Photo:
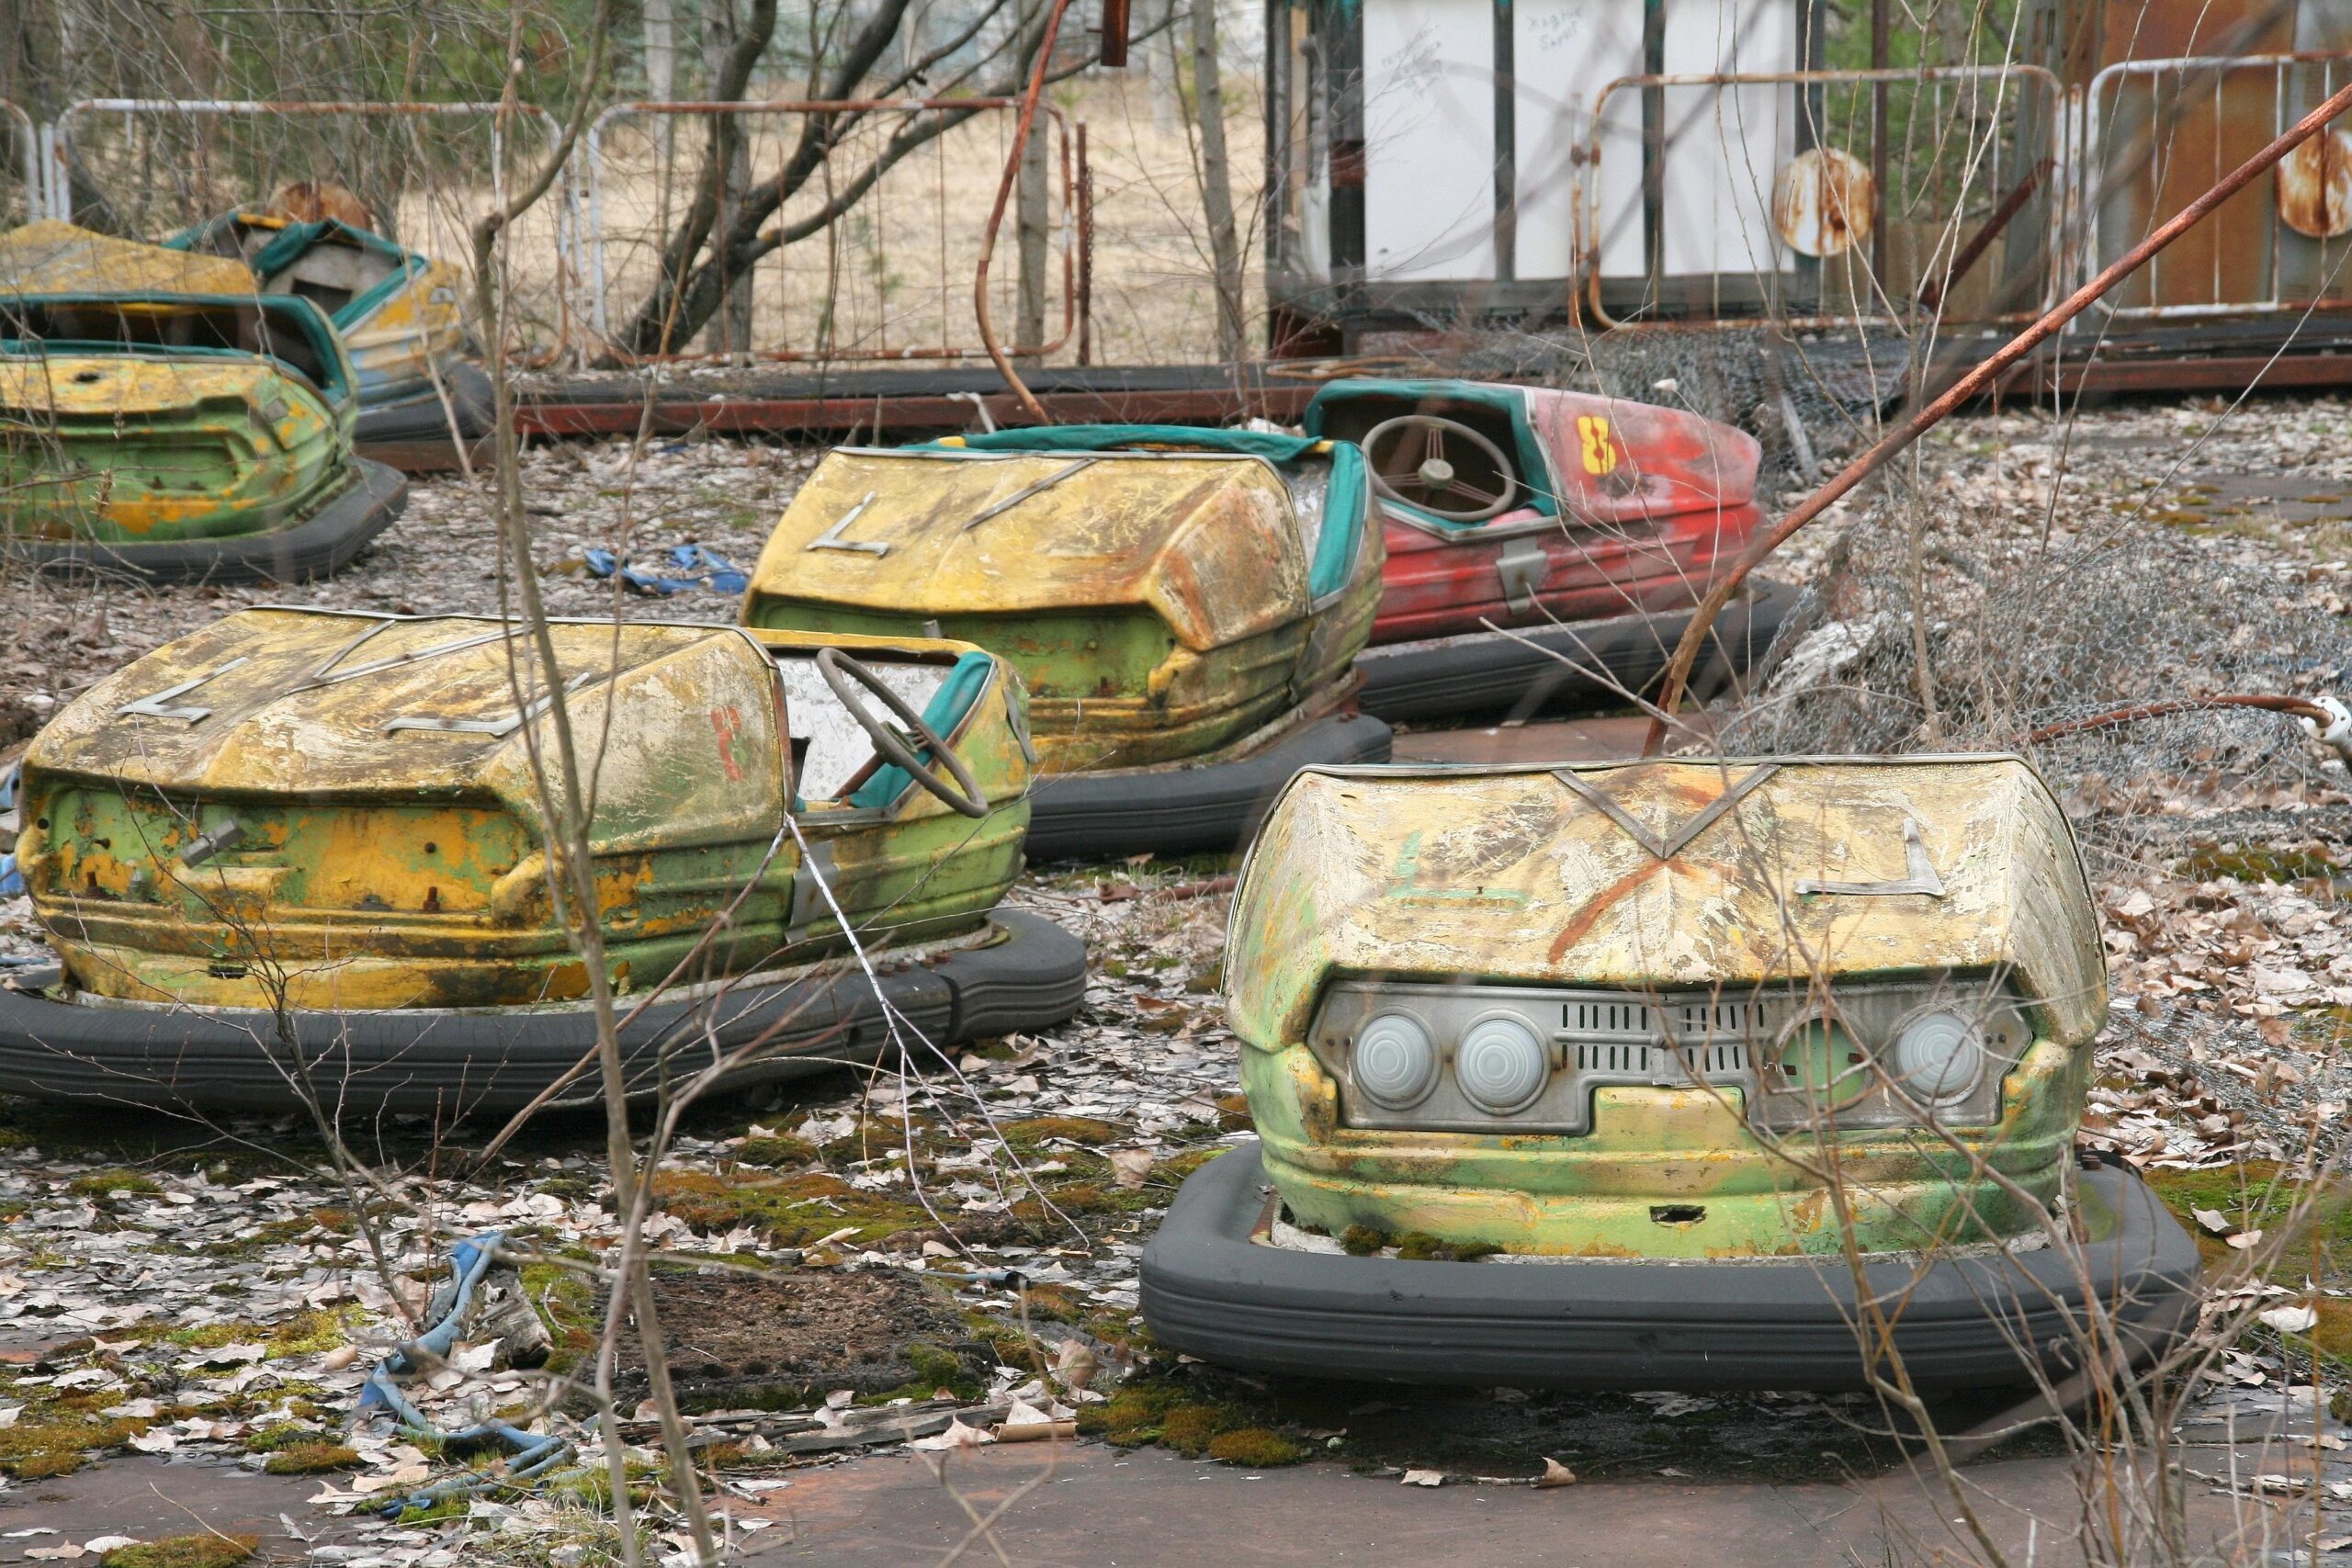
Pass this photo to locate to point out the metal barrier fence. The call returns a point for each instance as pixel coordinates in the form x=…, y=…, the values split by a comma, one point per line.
x=1839, y=196
x=161, y=164
x=892, y=281
x=2157, y=132
x=1829, y=196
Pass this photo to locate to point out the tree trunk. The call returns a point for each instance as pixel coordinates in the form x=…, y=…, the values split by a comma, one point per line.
x=731, y=329
x=661, y=50
x=1030, y=223
x=1216, y=180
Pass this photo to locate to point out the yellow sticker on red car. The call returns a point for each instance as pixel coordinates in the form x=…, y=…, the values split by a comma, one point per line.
x=1599, y=450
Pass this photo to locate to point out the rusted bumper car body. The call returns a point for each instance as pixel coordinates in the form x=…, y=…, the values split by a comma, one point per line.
x=1582, y=525
x=310, y=846
x=1183, y=605
x=1679, y=1047
x=401, y=315
x=158, y=418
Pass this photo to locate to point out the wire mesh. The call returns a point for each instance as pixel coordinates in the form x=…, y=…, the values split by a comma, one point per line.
x=2020, y=636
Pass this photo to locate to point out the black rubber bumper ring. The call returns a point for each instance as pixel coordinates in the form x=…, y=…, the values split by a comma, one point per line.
x=1485, y=672
x=454, y=1063
x=1972, y=1321
x=315, y=547
x=1180, y=809
x=424, y=418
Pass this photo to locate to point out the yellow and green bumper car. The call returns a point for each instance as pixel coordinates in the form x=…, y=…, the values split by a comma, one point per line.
x=1659, y=1074
x=401, y=314
x=306, y=849
x=161, y=419
x=1185, y=606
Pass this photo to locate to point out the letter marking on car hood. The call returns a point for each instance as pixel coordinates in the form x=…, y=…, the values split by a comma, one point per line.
x=1667, y=848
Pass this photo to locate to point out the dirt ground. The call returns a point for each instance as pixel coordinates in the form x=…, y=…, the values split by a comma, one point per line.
x=197, y=1301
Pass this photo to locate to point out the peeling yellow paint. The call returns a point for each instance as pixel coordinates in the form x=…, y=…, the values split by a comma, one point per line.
x=1512, y=877
x=388, y=846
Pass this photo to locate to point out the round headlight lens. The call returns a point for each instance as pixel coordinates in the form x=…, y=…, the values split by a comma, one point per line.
x=1394, y=1061
x=1938, y=1055
x=1501, y=1064
x=1823, y=1061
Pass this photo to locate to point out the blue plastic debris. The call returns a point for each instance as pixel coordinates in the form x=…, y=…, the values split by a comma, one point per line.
x=12, y=880
x=687, y=569
x=530, y=1458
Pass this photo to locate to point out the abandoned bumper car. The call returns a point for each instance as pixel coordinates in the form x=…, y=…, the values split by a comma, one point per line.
x=161, y=418
x=1183, y=605
x=1544, y=548
x=401, y=315
x=1714, y=1007
x=302, y=851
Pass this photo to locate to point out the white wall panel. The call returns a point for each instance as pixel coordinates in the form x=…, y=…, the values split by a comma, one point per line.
x=1429, y=116
x=1564, y=53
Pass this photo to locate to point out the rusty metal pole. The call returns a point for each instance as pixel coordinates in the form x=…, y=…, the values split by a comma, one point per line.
x=1028, y=400
x=1703, y=620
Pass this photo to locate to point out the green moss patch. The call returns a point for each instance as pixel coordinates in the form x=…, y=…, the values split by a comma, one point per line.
x=2212, y=862
x=306, y=1459
x=206, y=1550
x=776, y=1151
x=1257, y=1447
x=1039, y=1130
x=114, y=1183
x=58, y=1440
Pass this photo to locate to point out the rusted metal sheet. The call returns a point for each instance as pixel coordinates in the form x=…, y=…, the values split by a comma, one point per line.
x=341, y=809
x=1158, y=606
x=1805, y=880
x=1824, y=202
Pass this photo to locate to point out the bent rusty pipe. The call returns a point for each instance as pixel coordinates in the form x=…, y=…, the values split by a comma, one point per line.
x=1029, y=402
x=2301, y=707
x=1703, y=620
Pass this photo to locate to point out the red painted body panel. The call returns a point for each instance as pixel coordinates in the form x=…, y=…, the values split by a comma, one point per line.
x=1649, y=498
x=1434, y=587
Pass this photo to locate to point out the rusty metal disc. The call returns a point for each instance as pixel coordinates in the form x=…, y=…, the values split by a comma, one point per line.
x=2315, y=186
x=1824, y=202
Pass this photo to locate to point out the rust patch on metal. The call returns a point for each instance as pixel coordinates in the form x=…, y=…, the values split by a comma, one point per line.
x=2315, y=186
x=1824, y=202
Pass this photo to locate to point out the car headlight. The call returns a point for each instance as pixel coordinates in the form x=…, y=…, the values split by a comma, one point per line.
x=1534, y=1060
x=1395, y=1062
x=1938, y=1055
x=1501, y=1064
x=1820, y=1059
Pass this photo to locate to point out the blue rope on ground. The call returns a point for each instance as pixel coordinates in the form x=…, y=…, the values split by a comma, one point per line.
x=530, y=1458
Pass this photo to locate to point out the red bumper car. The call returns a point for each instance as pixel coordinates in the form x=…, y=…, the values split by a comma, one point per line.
x=1526, y=526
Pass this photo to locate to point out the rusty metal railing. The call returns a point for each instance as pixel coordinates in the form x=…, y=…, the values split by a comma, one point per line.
x=1824, y=202
x=1073, y=219
x=2129, y=162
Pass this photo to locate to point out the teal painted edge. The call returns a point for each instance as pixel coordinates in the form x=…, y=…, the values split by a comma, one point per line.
x=297, y=238
x=1533, y=458
x=945, y=713
x=305, y=315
